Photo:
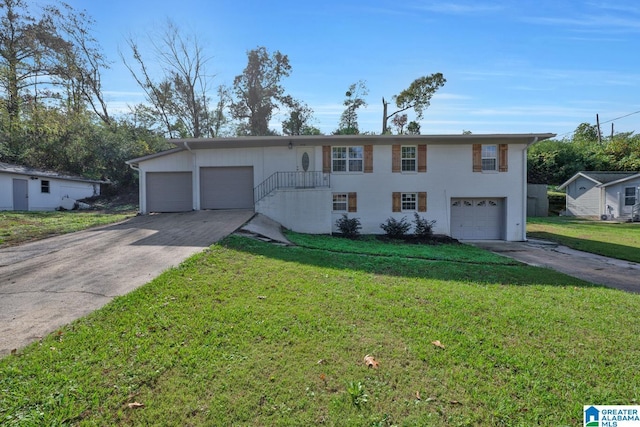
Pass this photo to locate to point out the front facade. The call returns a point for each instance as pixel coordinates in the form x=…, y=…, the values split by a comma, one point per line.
x=28, y=189
x=473, y=186
x=606, y=195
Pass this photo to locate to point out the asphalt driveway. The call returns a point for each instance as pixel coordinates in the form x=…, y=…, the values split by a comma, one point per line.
x=601, y=270
x=51, y=282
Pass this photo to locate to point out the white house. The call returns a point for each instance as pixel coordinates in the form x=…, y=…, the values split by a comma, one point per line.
x=27, y=189
x=607, y=195
x=473, y=186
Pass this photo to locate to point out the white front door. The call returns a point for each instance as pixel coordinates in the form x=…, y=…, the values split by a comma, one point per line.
x=305, y=159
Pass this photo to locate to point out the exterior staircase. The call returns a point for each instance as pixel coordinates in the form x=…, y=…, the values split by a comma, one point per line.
x=295, y=179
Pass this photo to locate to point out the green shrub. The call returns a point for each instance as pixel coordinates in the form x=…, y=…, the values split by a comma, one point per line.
x=349, y=227
x=423, y=228
x=396, y=229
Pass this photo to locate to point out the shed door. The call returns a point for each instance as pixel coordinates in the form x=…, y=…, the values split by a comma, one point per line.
x=20, y=195
x=169, y=192
x=477, y=219
x=226, y=187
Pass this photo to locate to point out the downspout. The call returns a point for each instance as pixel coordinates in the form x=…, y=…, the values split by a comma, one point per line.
x=195, y=178
x=524, y=188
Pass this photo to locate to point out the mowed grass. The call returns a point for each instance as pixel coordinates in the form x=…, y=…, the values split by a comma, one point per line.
x=20, y=227
x=253, y=334
x=616, y=240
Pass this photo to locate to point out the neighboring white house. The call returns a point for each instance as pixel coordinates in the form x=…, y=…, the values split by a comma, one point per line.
x=28, y=189
x=606, y=195
x=473, y=186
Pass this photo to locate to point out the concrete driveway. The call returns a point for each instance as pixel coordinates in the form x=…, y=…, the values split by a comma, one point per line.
x=614, y=273
x=51, y=282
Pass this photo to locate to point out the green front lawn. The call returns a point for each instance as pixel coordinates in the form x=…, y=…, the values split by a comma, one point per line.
x=615, y=240
x=253, y=334
x=20, y=227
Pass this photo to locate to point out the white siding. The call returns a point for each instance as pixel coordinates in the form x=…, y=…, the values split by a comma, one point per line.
x=303, y=211
x=583, y=198
x=39, y=201
x=449, y=175
x=614, y=197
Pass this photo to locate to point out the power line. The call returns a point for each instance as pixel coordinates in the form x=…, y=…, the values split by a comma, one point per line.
x=608, y=121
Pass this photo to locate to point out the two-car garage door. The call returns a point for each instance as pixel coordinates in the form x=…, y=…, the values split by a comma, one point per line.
x=220, y=188
x=477, y=218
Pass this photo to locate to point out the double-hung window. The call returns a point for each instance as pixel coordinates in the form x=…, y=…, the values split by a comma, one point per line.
x=347, y=159
x=409, y=158
x=45, y=186
x=340, y=202
x=629, y=196
x=345, y=202
x=409, y=201
x=489, y=157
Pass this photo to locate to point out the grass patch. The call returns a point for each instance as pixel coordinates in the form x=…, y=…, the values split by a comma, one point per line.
x=20, y=227
x=616, y=240
x=371, y=245
x=249, y=333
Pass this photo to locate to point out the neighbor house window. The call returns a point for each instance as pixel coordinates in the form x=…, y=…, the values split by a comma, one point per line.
x=44, y=186
x=409, y=201
x=629, y=196
x=347, y=159
x=345, y=202
x=489, y=157
x=408, y=158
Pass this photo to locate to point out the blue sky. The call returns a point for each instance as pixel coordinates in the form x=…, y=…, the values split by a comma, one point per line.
x=512, y=66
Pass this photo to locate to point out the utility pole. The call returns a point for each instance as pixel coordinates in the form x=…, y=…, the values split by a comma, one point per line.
x=611, y=130
x=599, y=133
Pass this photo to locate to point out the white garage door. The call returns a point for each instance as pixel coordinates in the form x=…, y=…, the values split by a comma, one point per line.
x=226, y=187
x=169, y=192
x=477, y=219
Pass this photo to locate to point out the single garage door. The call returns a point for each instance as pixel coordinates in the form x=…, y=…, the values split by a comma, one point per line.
x=226, y=187
x=169, y=192
x=477, y=219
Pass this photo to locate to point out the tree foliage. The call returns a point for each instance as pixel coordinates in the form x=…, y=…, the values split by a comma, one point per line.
x=555, y=161
x=353, y=101
x=258, y=91
x=299, y=120
x=417, y=97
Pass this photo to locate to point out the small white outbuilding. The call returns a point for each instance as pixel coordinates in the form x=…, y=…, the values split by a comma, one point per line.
x=28, y=189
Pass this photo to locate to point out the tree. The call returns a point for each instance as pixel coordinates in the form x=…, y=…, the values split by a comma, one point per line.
x=400, y=121
x=298, y=122
x=258, y=91
x=354, y=100
x=417, y=96
x=180, y=98
x=48, y=61
x=413, y=128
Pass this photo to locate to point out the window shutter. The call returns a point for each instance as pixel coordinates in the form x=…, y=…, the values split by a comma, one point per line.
x=326, y=159
x=503, y=157
x=477, y=157
x=353, y=202
x=422, y=158
x=368, y=158
x=395, y=158
x=396, y=205
x=422, y=201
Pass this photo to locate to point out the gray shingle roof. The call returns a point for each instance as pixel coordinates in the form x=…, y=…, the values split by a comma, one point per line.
x=605, y=177
x=25, y=170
